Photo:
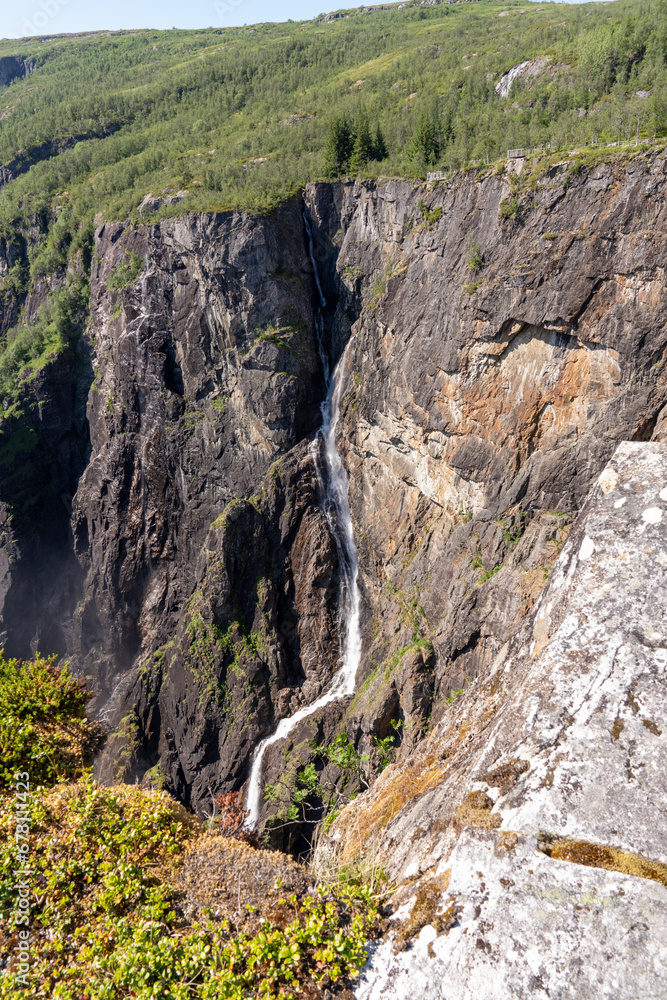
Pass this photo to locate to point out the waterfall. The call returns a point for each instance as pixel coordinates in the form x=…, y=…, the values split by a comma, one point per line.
x=337, y=509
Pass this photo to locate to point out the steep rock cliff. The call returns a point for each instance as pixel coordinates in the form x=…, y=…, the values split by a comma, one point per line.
x=497, y=360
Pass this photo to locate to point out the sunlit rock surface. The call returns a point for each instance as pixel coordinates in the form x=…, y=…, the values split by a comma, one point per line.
x=187, y=568
x=540, y=845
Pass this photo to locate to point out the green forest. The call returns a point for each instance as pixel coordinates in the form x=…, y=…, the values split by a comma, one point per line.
x=243, y=117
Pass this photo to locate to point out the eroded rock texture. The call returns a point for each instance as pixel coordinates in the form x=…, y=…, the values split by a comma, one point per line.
x=195, y=580
x=482, y=402
x=538, y=841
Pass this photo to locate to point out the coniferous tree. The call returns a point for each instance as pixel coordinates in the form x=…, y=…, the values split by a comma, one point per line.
x=425, y=146
x=338, y=146
x=362, y=151
x=380, y=151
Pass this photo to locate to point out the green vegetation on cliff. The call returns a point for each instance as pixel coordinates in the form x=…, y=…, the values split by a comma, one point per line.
x=32, y=343
x=109, y=914
x=243, y=116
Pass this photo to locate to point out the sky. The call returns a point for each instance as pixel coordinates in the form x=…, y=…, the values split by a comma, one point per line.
x=34, y=17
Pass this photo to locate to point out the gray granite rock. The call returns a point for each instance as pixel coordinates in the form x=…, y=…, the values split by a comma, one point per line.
x=544, y=836
x=530, y=928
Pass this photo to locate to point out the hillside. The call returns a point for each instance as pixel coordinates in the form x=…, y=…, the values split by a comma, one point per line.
x=341, y=489
x=240, y=117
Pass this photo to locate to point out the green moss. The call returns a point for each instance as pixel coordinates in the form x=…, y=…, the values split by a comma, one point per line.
x=412, y=614
x=422, y=644
x=276, y=336
x=126, y=743
x=383, y=672
x=155, y=778
x=233, y=505
x=218, y=404
x=241, y=644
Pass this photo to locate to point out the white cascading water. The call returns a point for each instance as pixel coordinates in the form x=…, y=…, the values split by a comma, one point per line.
x=337, y=510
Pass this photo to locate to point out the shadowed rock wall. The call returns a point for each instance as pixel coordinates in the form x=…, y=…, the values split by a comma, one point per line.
x=481, y=402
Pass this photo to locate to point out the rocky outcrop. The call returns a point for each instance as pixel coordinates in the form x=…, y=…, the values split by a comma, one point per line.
x=508, y=333
x=14, y=68
x=526, y=834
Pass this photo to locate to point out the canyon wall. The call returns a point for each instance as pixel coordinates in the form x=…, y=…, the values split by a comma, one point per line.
x=508, y=331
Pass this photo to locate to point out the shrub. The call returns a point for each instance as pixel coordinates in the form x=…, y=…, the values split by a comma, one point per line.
x=126, y=271
x=474, y=257
x=109, y=921
x=508, y=207
x=42, y=727
x=230, y=817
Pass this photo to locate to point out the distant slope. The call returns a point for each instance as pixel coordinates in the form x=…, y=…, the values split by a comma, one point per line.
x=242, y=115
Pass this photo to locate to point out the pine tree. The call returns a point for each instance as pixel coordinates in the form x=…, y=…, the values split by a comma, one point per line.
x=338, y=146
x=362, y=150
x=425, y=147
x=380, y=151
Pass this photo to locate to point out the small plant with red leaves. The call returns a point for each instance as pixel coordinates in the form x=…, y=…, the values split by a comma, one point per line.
x=229, y=819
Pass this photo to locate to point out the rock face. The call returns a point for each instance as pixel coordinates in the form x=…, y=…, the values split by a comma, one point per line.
x=210, y=562
x=13, y=68
x=539, y=843
x=508, y=333
x=524, y=926
x=481, y=411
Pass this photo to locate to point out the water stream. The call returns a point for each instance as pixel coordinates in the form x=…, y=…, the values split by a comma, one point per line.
x=337, y=509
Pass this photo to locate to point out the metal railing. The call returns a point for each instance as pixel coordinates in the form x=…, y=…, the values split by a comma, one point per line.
x=514, y=154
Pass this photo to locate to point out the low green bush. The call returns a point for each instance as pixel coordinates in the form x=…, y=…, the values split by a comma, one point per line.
x=107, y=916
x=474, y=256
x=126, y=271
x=106, y=863
x=508, y=208
x=42, y=727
